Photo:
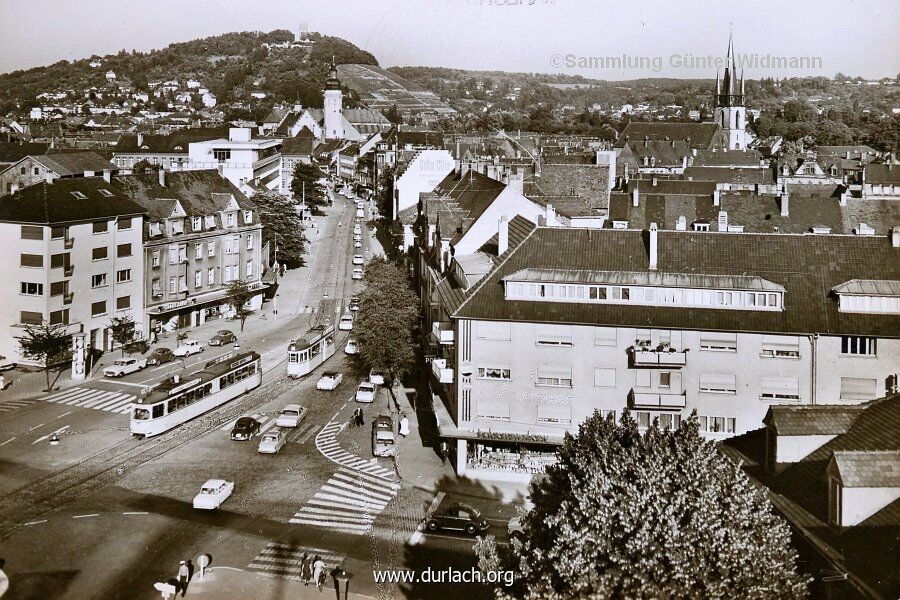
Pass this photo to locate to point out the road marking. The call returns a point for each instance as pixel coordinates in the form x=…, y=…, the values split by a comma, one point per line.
x=35, y=427
x=267, y=426
x=163, y=366
x=418, y=535
x=85, y=516
x=44, y=437
x=135, y=513
x=119, y=382
x=68, y=412
x=7, y=441
x=35, y=522
x=308, y=434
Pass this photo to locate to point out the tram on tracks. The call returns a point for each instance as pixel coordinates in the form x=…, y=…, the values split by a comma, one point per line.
x=179, y=398
x=316, y=345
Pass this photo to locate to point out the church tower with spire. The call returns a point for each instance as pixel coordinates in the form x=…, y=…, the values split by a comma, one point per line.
x=730, y=111
x=334, y=120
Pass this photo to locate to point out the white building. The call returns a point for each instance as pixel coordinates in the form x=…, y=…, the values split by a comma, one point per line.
x=242, y=159
x=334, y=122
x=422, y=173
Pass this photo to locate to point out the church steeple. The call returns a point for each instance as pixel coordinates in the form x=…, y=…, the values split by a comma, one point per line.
x=730, y=113
x=730, y=91
x=333, y=83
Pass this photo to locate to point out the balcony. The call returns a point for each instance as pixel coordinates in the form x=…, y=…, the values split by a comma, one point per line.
x=68, y=243
x=68, y=270
x=658, y=400
x=68, y=297
x=440, y=370
x=658, y=357
x=442, y=333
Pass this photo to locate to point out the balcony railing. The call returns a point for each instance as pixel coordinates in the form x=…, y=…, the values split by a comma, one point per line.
x=440, y=370
x=68, y=297
x=442, y=333
x=68, y=270
x=68, y=243
x=653, y=357
x=658, y=400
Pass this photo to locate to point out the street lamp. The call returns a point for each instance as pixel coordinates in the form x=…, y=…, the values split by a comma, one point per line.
x=342, y=580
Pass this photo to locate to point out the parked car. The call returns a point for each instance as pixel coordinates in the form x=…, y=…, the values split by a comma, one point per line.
x=376, y=377
x=291, y=415
x=459, y=517
x=357, y=229
x=213, y=493
x=365, y=392
x=6, y=365
x=358, y=259
x=346, y=322
x=188, y=347
x=352, y=347
x=124, y=366
x=357, y=244
x=245, y=428
x=272, y=441
x=357, y=237
x=383, y=441
x=353, y=304
x=329, y=380
x=160, y=356
x=357, y=273
x=222, y=337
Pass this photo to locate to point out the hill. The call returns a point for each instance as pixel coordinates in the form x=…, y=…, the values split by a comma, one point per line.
x=382, y=90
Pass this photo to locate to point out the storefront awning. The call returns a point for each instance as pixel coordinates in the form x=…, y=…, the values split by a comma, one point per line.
x=448, y=429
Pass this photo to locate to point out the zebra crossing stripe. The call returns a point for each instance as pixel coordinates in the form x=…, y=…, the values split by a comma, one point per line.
x=115, y=403
x=375, y=480
x=306, y=510
x=331, y=525
x=77, y=397
x=285, y=559
x=106, y=401
x=344, y=489
x=358, y=479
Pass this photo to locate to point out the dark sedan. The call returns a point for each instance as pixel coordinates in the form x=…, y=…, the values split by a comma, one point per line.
x=223, y=337
x=458, y=517
x=245, y=428
x=160, y=356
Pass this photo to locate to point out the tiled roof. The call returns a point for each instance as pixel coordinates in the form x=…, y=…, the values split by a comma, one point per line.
x=731, y=174
x=11, y=152
x=450, y=294
x=812, y=420
x=284, y=127
x=665, y=154
x=880, y=214
x=408, y=215
x=648, y=278
x=359, y=116
x=884, y=174
x=701, y=135
x=49, y=203
x=589, y=182
x=807, y=266
x=519, y=228
x=302, y=146
x=671, y=186
x=473, y=191
x=200, y=193
x=869, y=287
x=868, y=469
x=726, y=158
x=571, y=206
x=75, y=163
x=174, y=143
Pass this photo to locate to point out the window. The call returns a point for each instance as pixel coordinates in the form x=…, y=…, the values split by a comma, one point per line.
x=493, y=330
x=554, y=413
x=59, y=317
x=155, y=258
x=123, y=250
x=101, y=253
x=717, y=424
x=643, y=337
x=31, y=260
x=198, y=279
x=58, y=233
x=669, y=422
x=717, y=383
x=597, y=293
x=98, y=308
x=211, y=248
x=210, y=221
x=492, y=409
x=604, y=377
x=177, y=226
x=104, y=192
x=643, y=378
x=123, y=302
x=665, y=379
x=124, y=223
x=550, y=335
x=604, y=336
x=500, y=373
x=551, y=376
x=30, y=318
x=196, y=223
x=229, y=219
x=101, y=226
x=699, y=226
x=198, y=250
x=30, y=232
x=173, y=285
x=79, y=195
x=858, y=388
x=98, y=280
x=222, y=155
x=156, y=288
x=642, y=418
x=59, y=288
x=780, y=388
x=607, y=414
x=248, y=217
x=210, y=276
x=123, y=276
x=718, y=342
x=32, y=289
x=182, y=283
x=781, y=346
x=858, y=346
x=248, y=270
x=155, y=229
x=249, y=241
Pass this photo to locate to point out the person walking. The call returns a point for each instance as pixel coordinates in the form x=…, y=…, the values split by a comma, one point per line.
x=404, y=425
x=305, y=569
x=445, y=450
x=359, y=417
x=184, y=575
x=318, y=571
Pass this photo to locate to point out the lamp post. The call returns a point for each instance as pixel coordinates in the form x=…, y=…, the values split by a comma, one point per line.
x=342, y=581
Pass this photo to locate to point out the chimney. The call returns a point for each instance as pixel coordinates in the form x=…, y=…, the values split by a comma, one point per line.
x=503, y=236
x=723, y=220
x=634, y=195
x=693, y=152
x=681, y=223
x=785, y=203
x=551, y=216
x=162, y=177
x=107, y=175
x=654, y=248
x=684, y=162
x=895, y=237
x=848, y=155
x=140, y=140
x=716, y=197
x=844, y=195
x=654, y=181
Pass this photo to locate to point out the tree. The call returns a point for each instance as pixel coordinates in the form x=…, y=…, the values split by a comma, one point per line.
x=145, y=166
x=388, y=312
x=658, y=515
x=122, y=331
x=306, y=186
x=385, y=197
x=48, y=344
x=393, y=115
x=238, y=296
x=282, y=226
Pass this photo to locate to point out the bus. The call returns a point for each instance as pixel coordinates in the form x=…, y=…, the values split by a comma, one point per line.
x=179, y=399
x=316, y=345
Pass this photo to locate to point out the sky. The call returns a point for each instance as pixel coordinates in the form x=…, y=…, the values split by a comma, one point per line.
x=599, y=39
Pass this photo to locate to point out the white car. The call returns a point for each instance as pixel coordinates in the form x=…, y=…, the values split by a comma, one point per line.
x=376, y=377
x=352, y=347
x=357, y=273
x=124, y=366
x=357, y=244
x=188, y=347
x=358, y=259
x=272, y=441
x=291, y=415
x=329, y=380
x=357, y=237
x=213, y=493
x=346, y=323
x=365, y=392
x=357, y=229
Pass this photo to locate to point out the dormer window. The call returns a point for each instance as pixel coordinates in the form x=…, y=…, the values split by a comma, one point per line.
x=196, y=223
x=701, y=226
x=248, y=217
x=177, y=226
x=79, y=195
x=879, y=296
x=210, y=222
x=155, y=229
x=620, y=224
x=229, y=219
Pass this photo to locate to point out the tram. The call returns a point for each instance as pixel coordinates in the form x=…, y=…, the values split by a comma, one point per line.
x=179, y=399
x=316, y=345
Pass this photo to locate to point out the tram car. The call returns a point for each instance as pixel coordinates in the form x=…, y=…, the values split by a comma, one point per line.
x=315, y=346
x=179, y=398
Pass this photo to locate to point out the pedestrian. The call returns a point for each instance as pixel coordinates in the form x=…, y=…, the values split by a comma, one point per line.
x=2, y=383
x=444, y=451
x=404, y=425
x=305, y=569
x=318, y=571
x=184, y=574
x=359, y=417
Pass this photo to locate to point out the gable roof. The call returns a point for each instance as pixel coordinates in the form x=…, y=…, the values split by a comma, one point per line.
x=75, y=163
x=50, y=203
x=11, y=152
x=473, y=191
x=867, y=469
x=200, y=193
x=726, y=158
x=173, y=143
x=811, y=420
x=701, y=135
x=746, y=175
x=884, y=174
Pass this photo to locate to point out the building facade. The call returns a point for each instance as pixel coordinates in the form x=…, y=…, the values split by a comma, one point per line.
x=241, y=159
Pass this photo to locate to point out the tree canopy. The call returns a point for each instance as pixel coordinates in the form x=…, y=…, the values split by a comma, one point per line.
x=47, y=343
x=656, y=515
x=281, y=225
x=306, y=186
x=239, y=294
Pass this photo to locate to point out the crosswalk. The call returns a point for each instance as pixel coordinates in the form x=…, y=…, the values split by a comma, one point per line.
x=349, y=502
x=114, y=402
x=283, y=560
x=8, y=405
x=327, y=444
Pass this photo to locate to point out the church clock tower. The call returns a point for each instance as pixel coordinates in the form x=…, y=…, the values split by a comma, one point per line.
x=334, y=121
x=730, y=111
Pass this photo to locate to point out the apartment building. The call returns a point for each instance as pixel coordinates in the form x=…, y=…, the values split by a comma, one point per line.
x=38, y=168
x=72, y=256
x=169, y=151
x=661, y=323
x=201, y=234
x=240, y=158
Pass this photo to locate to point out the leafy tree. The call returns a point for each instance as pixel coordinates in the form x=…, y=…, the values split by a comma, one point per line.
x=393, y=115
x=388, y=312
x=282, y=226
x=122, y=331
x=385, y=197
x=47, y=343
x=145, y=166
x=658, y=515
x=239, y=294
x=306, y=186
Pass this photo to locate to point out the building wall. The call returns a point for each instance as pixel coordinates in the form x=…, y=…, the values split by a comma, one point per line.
x=24, y=173
x=509, y=204
x=423, y=174
x=832, y=365
x=794, y=448
x=288, y=162
x=167, y=161
x=858, y=504
x=334, y=124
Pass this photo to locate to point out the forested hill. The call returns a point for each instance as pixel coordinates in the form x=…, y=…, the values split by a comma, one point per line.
x=230, y=65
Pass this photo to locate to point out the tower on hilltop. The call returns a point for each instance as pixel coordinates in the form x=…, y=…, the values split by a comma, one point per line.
x=334, y=121
x=730, y=111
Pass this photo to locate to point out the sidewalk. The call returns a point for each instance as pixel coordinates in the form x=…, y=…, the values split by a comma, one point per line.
x=418, y=461
x=228, y=583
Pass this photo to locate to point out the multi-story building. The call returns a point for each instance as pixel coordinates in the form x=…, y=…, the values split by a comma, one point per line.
x=296, y=150
x=240, y=158
x=201, y=234
x=661, y=323
x=48, y=167
x=73, y=257
x=169, y=151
